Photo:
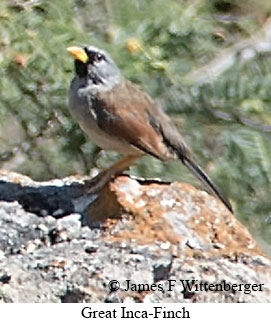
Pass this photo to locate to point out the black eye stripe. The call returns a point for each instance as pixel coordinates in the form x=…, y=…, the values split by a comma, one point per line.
x=94, y=56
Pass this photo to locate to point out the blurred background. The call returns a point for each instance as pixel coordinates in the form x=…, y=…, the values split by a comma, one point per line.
x=207, y=62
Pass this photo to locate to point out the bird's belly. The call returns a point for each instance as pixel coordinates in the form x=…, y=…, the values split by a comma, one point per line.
x=107, y=142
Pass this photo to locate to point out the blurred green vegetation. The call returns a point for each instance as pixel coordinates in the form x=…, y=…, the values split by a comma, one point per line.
x=169, y=48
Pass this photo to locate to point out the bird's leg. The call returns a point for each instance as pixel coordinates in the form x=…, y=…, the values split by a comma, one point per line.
x=99, y=181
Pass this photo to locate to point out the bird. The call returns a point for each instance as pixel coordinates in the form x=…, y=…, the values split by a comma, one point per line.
x=119, y=115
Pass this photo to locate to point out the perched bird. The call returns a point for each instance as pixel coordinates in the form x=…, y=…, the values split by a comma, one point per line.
x=118, y=115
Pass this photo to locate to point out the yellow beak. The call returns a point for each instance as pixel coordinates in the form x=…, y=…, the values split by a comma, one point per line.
x=78, y=53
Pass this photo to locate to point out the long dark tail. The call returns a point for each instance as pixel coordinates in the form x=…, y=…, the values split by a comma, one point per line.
x=204, y=178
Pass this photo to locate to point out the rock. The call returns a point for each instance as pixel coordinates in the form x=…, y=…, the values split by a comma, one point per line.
x=69, y=227
x=153, y=238
x=161, y=269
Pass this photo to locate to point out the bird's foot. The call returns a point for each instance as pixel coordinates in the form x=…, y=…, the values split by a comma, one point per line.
x=97, y=183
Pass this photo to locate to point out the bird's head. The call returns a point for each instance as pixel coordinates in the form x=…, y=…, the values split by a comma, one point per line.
x=96, y=65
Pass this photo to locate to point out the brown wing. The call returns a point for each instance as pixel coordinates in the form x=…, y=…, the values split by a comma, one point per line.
x=129, y=113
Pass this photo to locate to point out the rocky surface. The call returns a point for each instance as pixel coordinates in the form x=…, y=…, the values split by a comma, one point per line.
x=60, y=244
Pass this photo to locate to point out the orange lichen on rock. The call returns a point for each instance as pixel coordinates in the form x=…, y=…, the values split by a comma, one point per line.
x=177, y=213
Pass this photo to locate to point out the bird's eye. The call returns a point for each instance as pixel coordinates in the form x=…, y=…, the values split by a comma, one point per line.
x=99, y=57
